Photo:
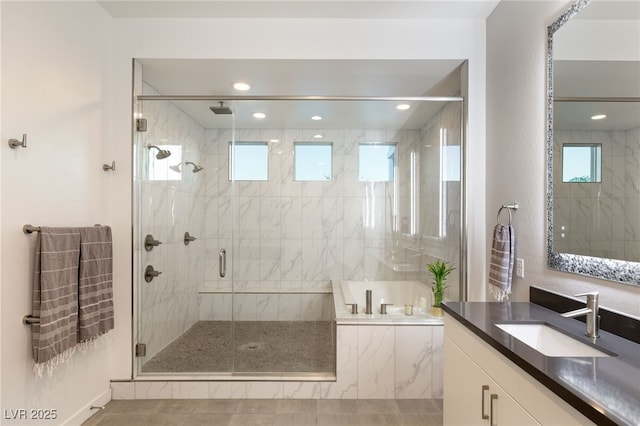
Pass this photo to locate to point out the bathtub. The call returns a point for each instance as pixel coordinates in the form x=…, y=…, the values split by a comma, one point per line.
x=386, y=356
x=396, y=293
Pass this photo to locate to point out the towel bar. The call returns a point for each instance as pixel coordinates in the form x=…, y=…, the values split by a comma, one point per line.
x=29, y=229
x=30, y=320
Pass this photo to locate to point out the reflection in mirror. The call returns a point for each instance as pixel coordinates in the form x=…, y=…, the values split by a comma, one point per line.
x=581, y=162
x=593, y=141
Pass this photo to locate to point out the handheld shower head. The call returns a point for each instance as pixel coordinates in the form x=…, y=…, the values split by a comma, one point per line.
x=196, y=167
x=162, y=153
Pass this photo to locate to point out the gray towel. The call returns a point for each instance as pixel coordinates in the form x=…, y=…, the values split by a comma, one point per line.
x=95, y=289
x=502, y=257
x=55, y=296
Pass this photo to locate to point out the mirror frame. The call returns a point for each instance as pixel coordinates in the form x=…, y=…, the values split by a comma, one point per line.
x=607, y=269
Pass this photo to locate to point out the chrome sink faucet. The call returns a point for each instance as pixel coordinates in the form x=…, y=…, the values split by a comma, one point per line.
x=368, y=309
x=591, y=312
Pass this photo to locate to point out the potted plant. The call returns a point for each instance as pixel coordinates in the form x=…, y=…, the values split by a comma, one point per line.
x=439, y=270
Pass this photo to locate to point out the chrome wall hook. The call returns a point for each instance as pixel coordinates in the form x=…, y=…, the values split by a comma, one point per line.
x=15, y=143
x=107, y=167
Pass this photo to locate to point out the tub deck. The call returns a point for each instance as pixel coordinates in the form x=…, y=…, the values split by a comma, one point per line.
x=399, y=293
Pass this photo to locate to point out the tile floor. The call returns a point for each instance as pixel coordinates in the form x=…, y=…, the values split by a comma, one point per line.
x=271, y=412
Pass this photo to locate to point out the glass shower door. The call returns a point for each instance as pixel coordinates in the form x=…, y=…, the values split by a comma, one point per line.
x=282, y=300
x=169, y=238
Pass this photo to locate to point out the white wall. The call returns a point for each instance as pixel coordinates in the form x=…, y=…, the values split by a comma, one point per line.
x=516, y=131
x=53, y=57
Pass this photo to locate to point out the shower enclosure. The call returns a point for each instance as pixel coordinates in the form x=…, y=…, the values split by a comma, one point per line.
x=240, y=230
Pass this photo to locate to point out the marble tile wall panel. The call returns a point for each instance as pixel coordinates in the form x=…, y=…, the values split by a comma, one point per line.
x=153, y=390
x=265, y=307
x=301, y=390
x=123, y=390
x=413, y=362
x=376, y=367
x=437, y=363
x=346, y=384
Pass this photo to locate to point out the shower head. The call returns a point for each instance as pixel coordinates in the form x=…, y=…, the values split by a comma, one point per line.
x=162, y=153
x=196, y=167
x=221, y=110
x=176, y=168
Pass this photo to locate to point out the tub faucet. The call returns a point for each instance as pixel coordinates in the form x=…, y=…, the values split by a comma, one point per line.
x=591, y=312
x=368, y=308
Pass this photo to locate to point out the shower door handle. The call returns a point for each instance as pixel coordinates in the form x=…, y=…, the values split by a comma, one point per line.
x=222, y=262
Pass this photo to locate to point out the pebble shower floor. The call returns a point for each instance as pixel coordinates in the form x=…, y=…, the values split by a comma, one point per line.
x=250, y=346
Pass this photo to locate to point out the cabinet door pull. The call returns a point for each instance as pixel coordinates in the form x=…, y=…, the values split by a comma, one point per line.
x=484, y=389
x=493, y=398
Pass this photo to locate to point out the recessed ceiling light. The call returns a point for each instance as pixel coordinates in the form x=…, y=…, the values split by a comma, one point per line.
x=318, y=136
x=242, y=86
x=403, y=107
x=598, y=116
x=274, y=140
x=316, y=118
x=259, y=115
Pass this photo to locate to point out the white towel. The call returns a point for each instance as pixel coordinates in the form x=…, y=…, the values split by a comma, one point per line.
x=502, y=258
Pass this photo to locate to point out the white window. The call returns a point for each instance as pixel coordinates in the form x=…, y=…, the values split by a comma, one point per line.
x=312, y=161
x=377, y=162
x=249, y=161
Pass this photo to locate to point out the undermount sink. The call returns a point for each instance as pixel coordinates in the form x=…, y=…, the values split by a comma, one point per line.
x=549, y=341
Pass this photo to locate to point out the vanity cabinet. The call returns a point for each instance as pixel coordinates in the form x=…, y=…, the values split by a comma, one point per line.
x=482, y=387
x=472, y=398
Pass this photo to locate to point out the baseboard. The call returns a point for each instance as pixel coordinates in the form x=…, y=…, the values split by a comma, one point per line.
x=85, y=412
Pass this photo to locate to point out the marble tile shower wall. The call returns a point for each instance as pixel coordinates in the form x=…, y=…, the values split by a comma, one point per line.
x=292, y=238
x=600, y=219
x=170, y=204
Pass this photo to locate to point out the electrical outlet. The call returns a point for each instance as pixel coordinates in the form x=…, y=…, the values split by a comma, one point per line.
x=520, y=268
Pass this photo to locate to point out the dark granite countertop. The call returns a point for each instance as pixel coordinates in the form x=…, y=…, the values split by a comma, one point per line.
x=604, y=389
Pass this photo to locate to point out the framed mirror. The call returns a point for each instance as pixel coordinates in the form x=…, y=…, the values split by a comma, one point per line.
x=593, y=141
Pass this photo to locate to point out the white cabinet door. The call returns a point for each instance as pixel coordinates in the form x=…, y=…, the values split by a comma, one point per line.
x=471, y=397
x=463, y=383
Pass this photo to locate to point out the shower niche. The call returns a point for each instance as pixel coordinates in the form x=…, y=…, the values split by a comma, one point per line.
x=279, y=207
